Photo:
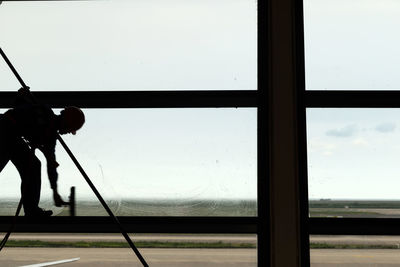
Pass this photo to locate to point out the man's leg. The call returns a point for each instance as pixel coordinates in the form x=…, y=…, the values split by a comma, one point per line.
x=29, y=168
x=4, y=157
x=4, y=142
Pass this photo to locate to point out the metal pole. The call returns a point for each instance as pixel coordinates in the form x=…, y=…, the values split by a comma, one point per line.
x=13, y=69
x=122, y=230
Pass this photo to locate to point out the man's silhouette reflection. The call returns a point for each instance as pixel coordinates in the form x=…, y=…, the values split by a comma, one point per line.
x=25, y=128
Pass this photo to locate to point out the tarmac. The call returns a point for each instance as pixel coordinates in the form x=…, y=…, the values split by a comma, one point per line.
x=117, y=257
x=355, y=257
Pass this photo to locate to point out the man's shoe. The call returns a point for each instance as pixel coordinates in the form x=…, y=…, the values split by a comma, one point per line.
x=39, y=213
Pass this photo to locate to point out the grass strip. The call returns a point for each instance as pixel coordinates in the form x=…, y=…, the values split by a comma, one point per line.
x=351, y=246
x=139, y=244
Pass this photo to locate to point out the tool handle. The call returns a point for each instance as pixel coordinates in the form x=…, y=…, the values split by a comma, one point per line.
x=13, y=69
x=100, y=198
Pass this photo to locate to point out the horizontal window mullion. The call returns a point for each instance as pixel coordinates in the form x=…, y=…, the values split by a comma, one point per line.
x=352, y=99
x=140, y=224
x=354, y=226
x=141, y=99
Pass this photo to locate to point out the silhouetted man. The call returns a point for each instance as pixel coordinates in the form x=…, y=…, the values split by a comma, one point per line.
x=25, y=128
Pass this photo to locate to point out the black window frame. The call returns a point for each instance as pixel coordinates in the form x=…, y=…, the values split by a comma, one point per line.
x=337, y=99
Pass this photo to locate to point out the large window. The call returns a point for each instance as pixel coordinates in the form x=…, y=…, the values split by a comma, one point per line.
x=170, y=91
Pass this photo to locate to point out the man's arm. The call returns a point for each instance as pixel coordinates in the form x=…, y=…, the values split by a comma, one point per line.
x=52, y=164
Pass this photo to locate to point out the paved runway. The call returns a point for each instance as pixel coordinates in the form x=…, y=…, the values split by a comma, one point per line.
x=355, y=257
x=194, y=257
x=111, y=257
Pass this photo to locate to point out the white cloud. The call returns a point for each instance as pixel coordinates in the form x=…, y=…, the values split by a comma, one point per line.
x=360, y=142
x=346, y=131
x=324, y=148
x=385, y=127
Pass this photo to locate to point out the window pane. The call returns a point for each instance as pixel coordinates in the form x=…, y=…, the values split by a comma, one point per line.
x=130, y=45
x=158, y=162
x=353, y=162
x=352, y=44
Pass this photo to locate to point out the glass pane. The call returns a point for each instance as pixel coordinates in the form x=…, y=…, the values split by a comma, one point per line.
x=377, y=251
x=352, y=45
x=353, y=162
x=112, y=249
x=130, y=45
x=158, y=162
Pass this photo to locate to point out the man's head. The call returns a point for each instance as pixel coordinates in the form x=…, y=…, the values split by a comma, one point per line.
x=71, y=120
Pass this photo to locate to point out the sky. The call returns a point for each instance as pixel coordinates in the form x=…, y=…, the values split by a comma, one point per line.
x=131, y=45
x=352, y=44
x=189, y=45
x=184, y=154
x=353, y=153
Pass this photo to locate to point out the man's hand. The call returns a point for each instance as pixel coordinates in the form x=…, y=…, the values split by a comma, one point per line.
x=25, y=96
x=24, y=90
x=58, y=202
